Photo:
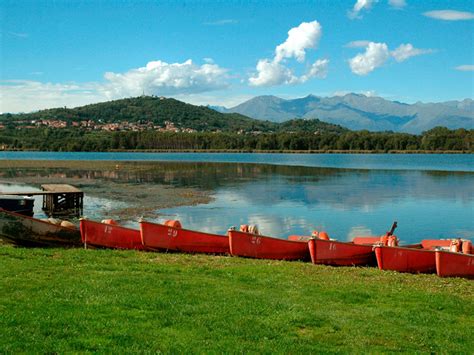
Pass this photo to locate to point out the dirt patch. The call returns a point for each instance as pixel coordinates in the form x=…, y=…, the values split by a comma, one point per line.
x=132, y=184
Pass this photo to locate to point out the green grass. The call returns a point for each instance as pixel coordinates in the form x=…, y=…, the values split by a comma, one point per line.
x=57, y=300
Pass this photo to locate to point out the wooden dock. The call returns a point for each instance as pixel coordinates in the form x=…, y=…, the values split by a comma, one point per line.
x=58, y=199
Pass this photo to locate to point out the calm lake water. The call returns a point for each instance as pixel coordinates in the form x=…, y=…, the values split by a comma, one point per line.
x=431, y=196
x=443, y=162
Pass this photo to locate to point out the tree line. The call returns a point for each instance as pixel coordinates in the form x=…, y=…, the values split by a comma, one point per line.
x=46, y=139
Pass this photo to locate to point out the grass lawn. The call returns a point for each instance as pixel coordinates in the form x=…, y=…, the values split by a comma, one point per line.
x=57, y=300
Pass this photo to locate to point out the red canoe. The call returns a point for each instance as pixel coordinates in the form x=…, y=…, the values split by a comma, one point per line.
x=434, y=243
x=332, y=252
x=263, y=247
x=454, y=264
x=403, y=259
x=299, y=238
x=163, y=237
x=110, y=236
x=366, y=240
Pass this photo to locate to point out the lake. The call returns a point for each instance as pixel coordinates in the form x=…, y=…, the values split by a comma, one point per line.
x=431, y=196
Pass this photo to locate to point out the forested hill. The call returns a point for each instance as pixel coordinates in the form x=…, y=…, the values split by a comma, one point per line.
x=158, y=110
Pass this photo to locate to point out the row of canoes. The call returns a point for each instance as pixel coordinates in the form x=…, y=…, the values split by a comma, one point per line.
x=429, y=256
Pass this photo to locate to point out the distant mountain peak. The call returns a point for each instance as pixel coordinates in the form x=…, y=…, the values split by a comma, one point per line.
x=358, y=111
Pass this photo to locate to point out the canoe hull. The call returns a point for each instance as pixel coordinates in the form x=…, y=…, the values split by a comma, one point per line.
x=434, y=243
x=262, y=247
x=103, y=235
x=330, y=252
x=402, y=259
x=27, y=231
x=161, y=237
x=454, y=264
x=365, y=240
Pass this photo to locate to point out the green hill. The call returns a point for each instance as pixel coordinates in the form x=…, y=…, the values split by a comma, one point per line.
x=159, y=110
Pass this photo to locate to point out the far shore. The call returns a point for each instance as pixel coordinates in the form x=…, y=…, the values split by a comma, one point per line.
x=255, y=151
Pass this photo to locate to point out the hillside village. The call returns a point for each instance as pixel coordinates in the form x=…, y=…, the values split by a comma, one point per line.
x=90, y=125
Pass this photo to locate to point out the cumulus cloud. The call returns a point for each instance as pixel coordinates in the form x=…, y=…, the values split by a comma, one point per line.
x=359, y=6
x=466, y=67
x=405, y=51
x=450, y=15
x=397, y=4
x=271, y=72
x=26, y=95
x=300, y=38
x=156, y=78
x=319, y=69
x=375, y=55
x=161, y=78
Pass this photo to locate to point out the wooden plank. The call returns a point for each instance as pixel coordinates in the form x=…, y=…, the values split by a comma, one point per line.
x=36, y=193
x=60, y=188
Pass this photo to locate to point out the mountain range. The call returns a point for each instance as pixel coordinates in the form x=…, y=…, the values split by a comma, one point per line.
x=357, y=112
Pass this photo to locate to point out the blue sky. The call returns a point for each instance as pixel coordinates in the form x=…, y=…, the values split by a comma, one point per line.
x=69, y=53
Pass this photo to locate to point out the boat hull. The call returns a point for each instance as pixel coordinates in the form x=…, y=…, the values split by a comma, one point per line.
x=454, y=264
x=21, y=205
x=365, y=240
x=263, y=247
x=402, y=259
x=161, y=237
x=331, y=252
x=104, y=235
x=434, y=243
x=27, y=231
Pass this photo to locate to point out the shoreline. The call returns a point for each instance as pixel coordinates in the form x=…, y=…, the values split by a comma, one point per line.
x=237, y=151
x=254, y=151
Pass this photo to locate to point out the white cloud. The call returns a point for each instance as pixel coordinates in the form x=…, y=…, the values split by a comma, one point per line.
x=397, y=4
x=375, y=55
x=271, y=72
x=156, y=78
x=319, y=69
x=26, y=96
x=405, y=51
x=300, y=38
x=161, y=78
x=450, y=15
x=359, y=6
x=466, y=67
x=357, y=44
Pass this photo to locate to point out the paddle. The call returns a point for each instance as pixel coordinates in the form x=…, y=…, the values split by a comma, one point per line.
x=390, y=232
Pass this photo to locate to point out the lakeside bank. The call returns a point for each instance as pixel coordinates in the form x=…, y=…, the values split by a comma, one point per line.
x=121, y=301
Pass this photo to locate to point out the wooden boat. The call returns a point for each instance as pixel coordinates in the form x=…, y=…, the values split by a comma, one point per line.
x=406, y=259
x=175, y=238
x=333, y=252
x=264, y=247
x=105, y=235
x=19, y=204
x=450, y=264
x=28, y=231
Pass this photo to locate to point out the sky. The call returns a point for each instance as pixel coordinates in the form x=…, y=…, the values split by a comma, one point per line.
x=76, y=52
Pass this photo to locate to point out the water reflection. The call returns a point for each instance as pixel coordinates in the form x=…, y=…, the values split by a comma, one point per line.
x=285, y=200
